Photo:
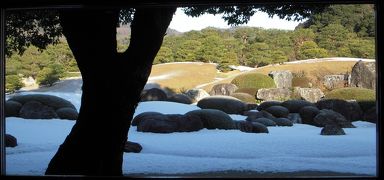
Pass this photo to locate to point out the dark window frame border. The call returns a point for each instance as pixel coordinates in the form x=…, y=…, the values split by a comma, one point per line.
x=55, y=4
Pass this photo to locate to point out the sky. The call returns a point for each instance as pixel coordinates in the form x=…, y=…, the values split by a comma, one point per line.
x=283, y=149
x=183, y=23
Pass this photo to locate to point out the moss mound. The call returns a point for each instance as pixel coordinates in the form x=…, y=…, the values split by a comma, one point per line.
x=245, y=97
x=253, y=80
x=358, y=94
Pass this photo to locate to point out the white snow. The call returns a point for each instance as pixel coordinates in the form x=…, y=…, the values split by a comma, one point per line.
x=283, y=149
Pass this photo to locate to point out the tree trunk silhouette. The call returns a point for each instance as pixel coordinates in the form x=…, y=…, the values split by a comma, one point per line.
x=112, y=83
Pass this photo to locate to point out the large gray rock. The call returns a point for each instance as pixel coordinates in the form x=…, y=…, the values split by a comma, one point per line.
x=271, y=94
x=364, y=75
x=310, y=94
x=349, y=109
x=224, y=89
x=283, y=79
x=227, y=104
x=197, y=94
x=335, y=81
x=37, y=110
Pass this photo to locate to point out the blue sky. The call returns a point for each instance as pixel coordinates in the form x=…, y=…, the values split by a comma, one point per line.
x=183, y=23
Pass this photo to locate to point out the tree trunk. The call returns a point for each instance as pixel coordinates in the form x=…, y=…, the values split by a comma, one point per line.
x=112, y=83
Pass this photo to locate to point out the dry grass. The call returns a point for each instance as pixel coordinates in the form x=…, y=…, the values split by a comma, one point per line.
x=190, y=75
x=184, y=76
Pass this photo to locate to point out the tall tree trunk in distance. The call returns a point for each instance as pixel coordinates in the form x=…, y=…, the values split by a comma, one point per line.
x=112, y=83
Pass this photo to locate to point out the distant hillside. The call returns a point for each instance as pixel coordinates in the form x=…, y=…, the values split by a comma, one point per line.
x=125, y=30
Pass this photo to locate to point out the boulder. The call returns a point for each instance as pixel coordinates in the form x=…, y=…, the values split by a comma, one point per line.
x=164, y=125
x=332, y=130
x=265, y=121
x=132, y=147
x=330, y=117
x=259, y=114
x=167, y=123
x=145, y=115
x=295, y=118
x=48, y=100
x=363, y=75
x=335, y=81
x=271, y=94
x=308, y=113
x=37, y=110
x=213, y=118
x=12, y=108
x=67, y=113
x=370, y=115
x=180, y=98
x=282, y=122
x=309, y=94
x=295, y=105
x=197, y=94
x=153, y=94
x=283, y=79
x=224, y=89
x=251, y=127
x=40, y=106
x=349, y=109
x=227, y=104
x=278, y=111
x=264, y=105
x=10, y=141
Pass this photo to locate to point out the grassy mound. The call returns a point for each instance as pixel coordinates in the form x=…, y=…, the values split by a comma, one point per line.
x=365, y=97
x=358, y=94
x=253, y=80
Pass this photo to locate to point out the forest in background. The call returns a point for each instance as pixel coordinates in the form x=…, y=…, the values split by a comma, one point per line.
x=339, y=31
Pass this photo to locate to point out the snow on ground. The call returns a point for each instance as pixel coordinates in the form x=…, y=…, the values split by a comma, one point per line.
x=283, y=149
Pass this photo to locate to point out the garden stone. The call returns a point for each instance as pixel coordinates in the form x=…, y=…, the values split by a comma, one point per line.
x=349, y=109
x=278, y=111
x=264, y=105
x=180, y=98
x=12, y=108
x=282, y=122
x=283, y=79
x=213, y=118
x=10, y=141
x=294, y=105
x=227, y=104
x=197, y=94
x=224, y=89
x=330, y=117
x=332, y=130
x=273, y=94
x=154, y=94
x=36, y=110
x=295, y=118
x=308, y=113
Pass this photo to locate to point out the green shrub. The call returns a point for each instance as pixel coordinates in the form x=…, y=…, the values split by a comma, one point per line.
x=253, y=80
x=50, y=75
x=13, y=83
x=358, y=94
